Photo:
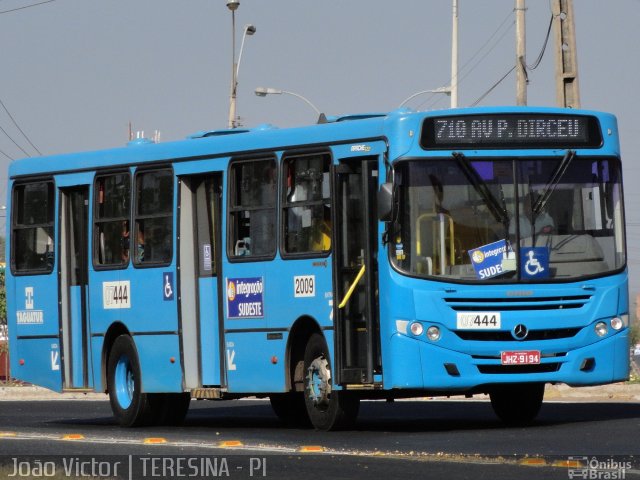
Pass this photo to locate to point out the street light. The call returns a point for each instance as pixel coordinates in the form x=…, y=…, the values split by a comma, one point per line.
x=263, y=92
x=445, y=90
x=235, y=67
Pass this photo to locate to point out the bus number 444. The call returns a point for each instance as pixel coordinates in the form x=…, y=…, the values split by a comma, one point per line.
x=478, y=320
x=116, y=295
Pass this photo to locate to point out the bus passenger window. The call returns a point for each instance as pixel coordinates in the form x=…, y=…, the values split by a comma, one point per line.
x=153, y=218
x=112, y=198
x=252, y=210
x=307, y=207
x=32, y=227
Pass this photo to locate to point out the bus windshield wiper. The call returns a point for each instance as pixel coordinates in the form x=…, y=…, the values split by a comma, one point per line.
x=498, y=211
x=551, y=185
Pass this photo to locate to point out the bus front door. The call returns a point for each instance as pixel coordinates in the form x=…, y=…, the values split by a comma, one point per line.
x=355, y=271
x=202, y=326
x=74, y=227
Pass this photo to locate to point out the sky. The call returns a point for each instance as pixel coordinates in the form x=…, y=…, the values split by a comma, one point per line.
x=75, y=73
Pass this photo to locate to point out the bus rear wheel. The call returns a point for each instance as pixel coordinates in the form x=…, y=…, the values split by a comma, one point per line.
x=328, y=409
x=131, y=407
x=517, y=404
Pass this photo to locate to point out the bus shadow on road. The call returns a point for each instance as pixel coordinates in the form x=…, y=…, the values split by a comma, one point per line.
x=414, y=416
x=398, y=416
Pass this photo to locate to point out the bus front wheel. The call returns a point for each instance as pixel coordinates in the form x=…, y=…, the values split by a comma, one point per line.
x=328, y=409
x=131, y=407
x=517, y=404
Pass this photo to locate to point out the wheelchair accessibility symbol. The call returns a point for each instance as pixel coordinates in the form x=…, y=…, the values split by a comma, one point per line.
x=534, y=262
x=532, y=266
x=167, y=286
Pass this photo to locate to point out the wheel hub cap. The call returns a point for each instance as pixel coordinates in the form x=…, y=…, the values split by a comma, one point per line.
x=319, y=382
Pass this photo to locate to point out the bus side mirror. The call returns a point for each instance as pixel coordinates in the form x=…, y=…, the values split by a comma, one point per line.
x=385, y=202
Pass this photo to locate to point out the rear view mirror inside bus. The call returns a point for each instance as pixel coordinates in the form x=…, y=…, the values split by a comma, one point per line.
x=385, y=202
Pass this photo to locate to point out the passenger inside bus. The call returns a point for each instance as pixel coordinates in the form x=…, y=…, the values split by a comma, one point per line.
x=125, y=241
x=126, y=244
x=321, y=237
x=543, y=222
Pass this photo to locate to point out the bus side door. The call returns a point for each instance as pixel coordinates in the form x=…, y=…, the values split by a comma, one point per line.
x=200, y=288
x=357, y=344
x=74, y=272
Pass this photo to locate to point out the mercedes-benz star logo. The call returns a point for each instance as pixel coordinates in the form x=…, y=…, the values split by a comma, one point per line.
x=520, y=332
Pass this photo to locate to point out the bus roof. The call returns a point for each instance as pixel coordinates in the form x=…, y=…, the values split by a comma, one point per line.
x=221, y=143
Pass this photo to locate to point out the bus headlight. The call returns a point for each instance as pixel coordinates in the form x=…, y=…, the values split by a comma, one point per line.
x=433, y=333
x=601, y=329
x=617, y=323
x=416, y=328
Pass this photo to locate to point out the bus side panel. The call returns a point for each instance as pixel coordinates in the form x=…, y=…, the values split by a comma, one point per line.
x=99, y=383
x=34, y=328
x=35, y=306
x=159, y=357
x=41, y=365
x=153, y=303
x=254, y=369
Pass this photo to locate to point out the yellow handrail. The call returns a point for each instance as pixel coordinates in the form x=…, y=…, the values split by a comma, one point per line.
x=434, y=216
x=352, y=288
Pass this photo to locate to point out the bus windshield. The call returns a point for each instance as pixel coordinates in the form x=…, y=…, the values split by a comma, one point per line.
x=508, y=219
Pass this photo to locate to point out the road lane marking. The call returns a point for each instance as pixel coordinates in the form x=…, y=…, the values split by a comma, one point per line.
x=573, y=464
x=154, y=440
x=73, y=436
x=237, y=445
x=230, y=444
x=311, y=449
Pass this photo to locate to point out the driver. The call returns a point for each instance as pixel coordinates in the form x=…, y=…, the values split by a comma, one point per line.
x=543, y=222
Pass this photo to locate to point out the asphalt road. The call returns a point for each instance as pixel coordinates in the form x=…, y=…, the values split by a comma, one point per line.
x=408, y=439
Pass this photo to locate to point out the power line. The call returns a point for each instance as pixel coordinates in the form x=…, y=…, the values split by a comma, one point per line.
x=482, y=97
x=530, y=67
x=10, y=158
x=18, y=127
x=473, y=57
x=544, y=47
x=27, y=6
x=488, y=40
x=14, y=142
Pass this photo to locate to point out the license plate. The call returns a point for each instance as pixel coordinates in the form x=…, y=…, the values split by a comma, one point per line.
x=530, y=357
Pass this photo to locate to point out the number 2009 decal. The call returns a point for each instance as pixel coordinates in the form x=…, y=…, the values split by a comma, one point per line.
x=304, y=286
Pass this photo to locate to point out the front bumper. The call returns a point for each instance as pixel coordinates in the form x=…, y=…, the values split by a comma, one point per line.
x=417, y=364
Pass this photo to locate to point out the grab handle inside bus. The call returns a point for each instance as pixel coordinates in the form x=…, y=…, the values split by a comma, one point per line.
x=352, y=288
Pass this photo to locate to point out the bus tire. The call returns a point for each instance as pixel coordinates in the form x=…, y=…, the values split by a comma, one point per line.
x=131, y=407
x=517, y=404
x=290, y=407
x=327, y=409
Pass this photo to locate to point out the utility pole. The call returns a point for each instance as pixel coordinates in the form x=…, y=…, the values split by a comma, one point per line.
x=233, y=5
x=521, y=74
x=567, y=91
x=454, y=56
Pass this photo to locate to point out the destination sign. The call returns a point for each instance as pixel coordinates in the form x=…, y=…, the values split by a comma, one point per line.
x=511, y=131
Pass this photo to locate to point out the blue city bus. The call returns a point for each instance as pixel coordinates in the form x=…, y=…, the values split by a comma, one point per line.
x=375, y=256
